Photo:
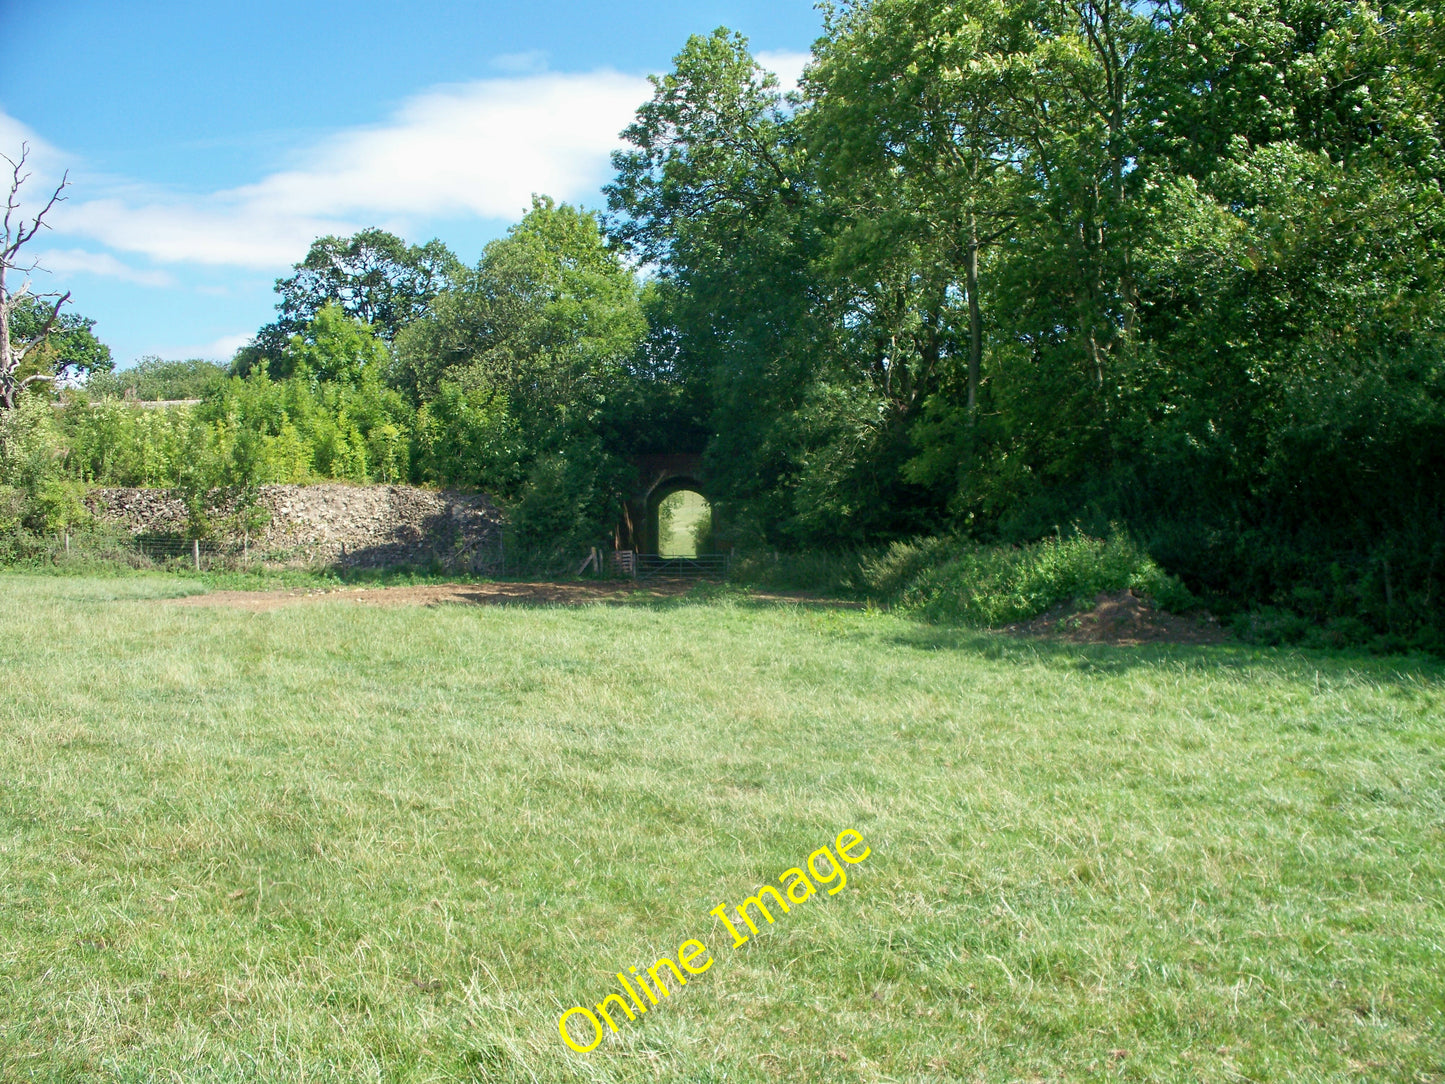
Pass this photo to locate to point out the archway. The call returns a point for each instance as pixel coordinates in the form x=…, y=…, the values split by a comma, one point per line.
x=658, y=478
x=680, y=519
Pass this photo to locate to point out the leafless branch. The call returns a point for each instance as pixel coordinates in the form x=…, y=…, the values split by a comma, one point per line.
x=16, y=230
x=15, y=234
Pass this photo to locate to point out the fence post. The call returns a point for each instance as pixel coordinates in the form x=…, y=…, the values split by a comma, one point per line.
x=67, y=543
x=196, y=552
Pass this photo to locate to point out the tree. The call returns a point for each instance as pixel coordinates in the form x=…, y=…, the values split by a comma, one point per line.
x=68, y=349
x=37, y=314
x=549, y=320
x=373, y=276
x=333, y=347
x=714, y=190
x=522, y=367
x=910, y=129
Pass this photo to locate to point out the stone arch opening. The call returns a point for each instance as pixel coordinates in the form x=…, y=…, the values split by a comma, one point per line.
x=658, y=478
x=680, y=519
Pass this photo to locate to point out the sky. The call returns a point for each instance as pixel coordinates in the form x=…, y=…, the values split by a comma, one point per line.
x=208, y=144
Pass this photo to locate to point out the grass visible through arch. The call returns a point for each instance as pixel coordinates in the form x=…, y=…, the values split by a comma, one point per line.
x=331, y=842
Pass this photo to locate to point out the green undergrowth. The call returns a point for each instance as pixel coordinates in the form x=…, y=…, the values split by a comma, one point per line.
x=954, y=581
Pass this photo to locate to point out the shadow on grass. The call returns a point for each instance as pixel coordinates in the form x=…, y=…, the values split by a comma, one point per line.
x=658, y=595
x=853, y=621
x=1416, y=670
x=843, y=618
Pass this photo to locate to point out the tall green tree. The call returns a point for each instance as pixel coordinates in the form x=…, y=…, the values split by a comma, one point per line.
x=373, y=276
x=521, y=368
x=548, y=320
x=334, y=347
x=714, y=192
x=911, y=135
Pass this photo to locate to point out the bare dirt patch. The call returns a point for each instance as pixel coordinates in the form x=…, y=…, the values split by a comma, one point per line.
x=1124, y=619
x=482, y=594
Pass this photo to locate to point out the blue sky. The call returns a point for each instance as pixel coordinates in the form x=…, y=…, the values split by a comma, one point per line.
x=208, y=144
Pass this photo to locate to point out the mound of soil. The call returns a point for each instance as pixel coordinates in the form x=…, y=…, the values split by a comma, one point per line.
x=1122, y=618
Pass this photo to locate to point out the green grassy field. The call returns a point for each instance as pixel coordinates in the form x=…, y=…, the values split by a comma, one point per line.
x=336, y=842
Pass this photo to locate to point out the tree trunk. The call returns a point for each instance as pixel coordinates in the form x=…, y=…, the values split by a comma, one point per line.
x=7, y=383
x=975, y=319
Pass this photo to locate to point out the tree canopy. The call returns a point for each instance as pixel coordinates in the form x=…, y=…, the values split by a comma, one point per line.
x=373, y=276
x=66, y=346
x=1009, y=266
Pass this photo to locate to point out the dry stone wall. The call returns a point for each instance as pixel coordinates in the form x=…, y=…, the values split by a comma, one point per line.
x=344, y=525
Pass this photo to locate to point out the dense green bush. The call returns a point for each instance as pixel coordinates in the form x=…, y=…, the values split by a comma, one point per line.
x=955, y=581
x=39, y=495
x=999, y=585
x=333, y=418
x=468, y=437
x=564, y=508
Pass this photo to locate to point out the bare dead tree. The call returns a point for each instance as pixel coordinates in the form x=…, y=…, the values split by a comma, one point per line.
x=16, y=232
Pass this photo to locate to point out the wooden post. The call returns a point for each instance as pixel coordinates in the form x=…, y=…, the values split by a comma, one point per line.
x=67, y=543
x=246, y=550
x=196, y=552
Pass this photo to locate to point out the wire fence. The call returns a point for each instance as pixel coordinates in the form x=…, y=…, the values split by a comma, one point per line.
x=474, y=557
x=485, y=557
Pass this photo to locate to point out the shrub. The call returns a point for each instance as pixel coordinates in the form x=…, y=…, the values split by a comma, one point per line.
x=955, y=581
x=888, y=575
x=32, y=452
x=567, y=505
x=995, y=585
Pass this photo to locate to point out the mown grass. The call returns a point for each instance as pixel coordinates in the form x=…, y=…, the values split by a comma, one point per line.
x=336, y=842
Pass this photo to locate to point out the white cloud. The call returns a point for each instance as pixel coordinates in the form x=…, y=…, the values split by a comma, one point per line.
x=788, y=67
x=75, y=261
x=45, y=162
x=219, y=230
x=224, y=347
x=480, y=148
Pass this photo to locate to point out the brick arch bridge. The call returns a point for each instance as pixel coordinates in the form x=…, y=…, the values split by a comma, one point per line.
x=658, y=477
